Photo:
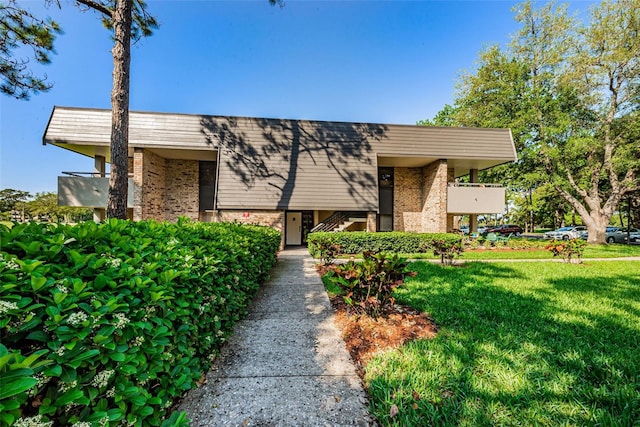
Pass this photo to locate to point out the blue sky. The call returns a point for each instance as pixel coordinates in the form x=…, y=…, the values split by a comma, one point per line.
x=366, y=61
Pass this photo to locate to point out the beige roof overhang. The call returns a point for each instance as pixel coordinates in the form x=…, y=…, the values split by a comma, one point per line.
x=87, y=131
x=287, y=164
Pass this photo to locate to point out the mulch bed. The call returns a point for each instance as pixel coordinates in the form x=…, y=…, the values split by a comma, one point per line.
x=365, y=336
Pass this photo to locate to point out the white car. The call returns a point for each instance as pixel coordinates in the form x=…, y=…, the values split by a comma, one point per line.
x=567, y=233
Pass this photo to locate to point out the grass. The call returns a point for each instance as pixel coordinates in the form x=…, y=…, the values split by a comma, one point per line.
x=592, y=251
x=547, y=344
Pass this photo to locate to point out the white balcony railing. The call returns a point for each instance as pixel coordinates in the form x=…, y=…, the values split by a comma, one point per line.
x=475, y=198
x=87, y=191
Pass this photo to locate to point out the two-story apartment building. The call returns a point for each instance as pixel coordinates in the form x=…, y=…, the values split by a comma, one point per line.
x=293, y=175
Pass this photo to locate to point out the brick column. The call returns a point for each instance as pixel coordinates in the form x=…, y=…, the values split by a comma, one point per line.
x=451, y=176
x=407, y=199
x=138, y=162
x=180, y=189
x=371, y=222
x=99, y=170
x=434, y=197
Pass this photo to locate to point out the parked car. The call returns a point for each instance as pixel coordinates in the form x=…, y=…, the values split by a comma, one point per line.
x=566, y=233
x=619, y=235
x=505, y=229
x=634, y=235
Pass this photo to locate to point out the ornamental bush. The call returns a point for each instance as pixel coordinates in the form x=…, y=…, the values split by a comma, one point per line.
x=108, y=324
x=571, y=251
x=368, y=285
x=447, y=249
x=356, y=242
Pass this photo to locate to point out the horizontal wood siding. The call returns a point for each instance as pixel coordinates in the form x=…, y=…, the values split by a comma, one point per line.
x=283, y=164
x=288, y=164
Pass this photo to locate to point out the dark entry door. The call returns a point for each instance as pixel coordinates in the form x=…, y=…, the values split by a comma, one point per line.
x=385, y=197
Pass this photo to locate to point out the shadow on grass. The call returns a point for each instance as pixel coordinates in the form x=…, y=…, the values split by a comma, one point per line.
x=519, y=345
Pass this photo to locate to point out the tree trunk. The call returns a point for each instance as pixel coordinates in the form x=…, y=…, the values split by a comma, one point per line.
x=597, y=228
x=532, y=225
x=595, y=219
x=118, y=180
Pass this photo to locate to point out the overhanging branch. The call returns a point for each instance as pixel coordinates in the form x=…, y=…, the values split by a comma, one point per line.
x=575, y=186
x=575, y=203
x=97, y=6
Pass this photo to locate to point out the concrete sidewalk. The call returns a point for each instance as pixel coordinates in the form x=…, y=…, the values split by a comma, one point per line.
x=286, y=364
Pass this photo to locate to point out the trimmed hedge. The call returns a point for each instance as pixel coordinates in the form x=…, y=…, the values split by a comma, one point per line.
x=357, y=242
x=108, y=324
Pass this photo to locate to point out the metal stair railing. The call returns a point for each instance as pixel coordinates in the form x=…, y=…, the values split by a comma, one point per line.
x=334, y=220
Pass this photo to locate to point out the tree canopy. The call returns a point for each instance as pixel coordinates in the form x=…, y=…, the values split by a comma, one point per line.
x=570, y=94
x=9, y=198
x=128, y=20
x=26, y=39
x=21, y=205
x=21, y=30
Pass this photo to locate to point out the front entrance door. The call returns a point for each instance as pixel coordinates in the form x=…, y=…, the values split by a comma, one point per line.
x=294, y=228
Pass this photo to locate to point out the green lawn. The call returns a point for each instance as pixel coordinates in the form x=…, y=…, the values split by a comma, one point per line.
x=519, y=344
x=592, y=251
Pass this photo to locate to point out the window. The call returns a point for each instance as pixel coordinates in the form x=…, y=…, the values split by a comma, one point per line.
x=207, y=185
x=385, y=199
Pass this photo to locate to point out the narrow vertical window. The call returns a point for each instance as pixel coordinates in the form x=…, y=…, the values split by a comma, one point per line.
x=207, y=185
x=385, y=193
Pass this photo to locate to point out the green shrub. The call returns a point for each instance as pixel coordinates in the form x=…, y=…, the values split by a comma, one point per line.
x=447, y=249
x=109, y=324
x=356, y=242
x=571, y=251
x=328, y=251
x=368, y=285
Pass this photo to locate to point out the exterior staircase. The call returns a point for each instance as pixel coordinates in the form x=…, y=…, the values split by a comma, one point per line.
x=340, y=221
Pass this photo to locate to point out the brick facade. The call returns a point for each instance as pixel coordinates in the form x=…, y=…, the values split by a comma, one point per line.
x=148, y=178
x=371, y=222
x=420, y=198
x=149, y=175
x=165, y=189
x=273, y=219
x=407, y=199
x=181, y=189
x=451, y=177
x=434, y=192
x=168, y=188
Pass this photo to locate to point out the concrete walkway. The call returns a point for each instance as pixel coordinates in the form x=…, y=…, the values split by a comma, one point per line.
x=286, y=364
